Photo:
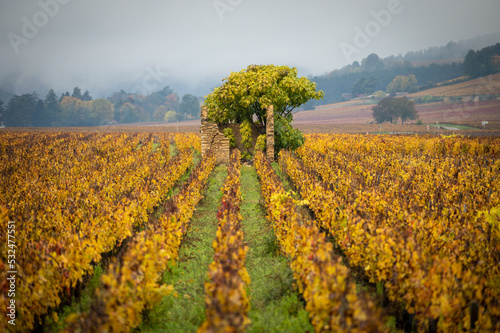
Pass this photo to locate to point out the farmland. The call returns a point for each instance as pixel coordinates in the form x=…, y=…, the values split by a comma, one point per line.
x=471, y=113
x=458, y=108
x=488, y=85
x=131, y=229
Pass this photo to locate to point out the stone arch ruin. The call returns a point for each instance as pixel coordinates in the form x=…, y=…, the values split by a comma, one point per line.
x=213, y=139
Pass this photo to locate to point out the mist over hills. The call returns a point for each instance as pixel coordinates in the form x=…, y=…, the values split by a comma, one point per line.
x=153, y=79
x=5, y=95
x=428, y=68
x=452, y=50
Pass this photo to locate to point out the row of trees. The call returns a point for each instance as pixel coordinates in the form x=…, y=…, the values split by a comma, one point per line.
x=154, y=107
x=483, y=62
x=29, y=110
x=401, y=83
x=80, y=109
x=77, y=93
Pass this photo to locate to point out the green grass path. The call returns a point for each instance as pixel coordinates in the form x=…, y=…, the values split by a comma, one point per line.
x=186, y=312
x=275, y=306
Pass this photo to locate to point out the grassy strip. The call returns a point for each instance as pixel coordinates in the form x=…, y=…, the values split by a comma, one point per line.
x=184, y=311
x=282, y=176
x=81, y=304
x=130, y=287
x=226, y=300
x=275, y=306
x=460, y=127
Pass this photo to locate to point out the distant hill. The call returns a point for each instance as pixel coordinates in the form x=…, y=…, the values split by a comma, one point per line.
x=5, y=96
x=452, y=50
x=456, y=110
x=430, y=66
x=488, y=85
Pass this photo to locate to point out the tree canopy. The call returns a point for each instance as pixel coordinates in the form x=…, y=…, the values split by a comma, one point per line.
x=170, y=116
x=77, y=93
x=189, y=105
x=483, y=62
x=251, y=91
x=390, y=109
x=407, y=83
x=52, y=108
x=86, y=96
x=245, y=96
x=101, y=111
x=160, y=113
x=21, y=110
x=130, y=113
x=365, y=85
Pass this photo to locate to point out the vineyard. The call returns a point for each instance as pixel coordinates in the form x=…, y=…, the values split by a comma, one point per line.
x=133, y=230
x=482, y=86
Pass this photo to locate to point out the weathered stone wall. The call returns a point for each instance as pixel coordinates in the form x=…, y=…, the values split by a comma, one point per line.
x=214, y=140
x=270, y=133
x=212, y=137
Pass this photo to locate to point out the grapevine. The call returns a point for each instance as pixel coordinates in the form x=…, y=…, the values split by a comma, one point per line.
x=226, y=300
x=76, y=196
x=326, y=284
x=406, y=224
x=130, y=285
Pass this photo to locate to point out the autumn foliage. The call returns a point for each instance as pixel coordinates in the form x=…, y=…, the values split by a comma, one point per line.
x=131, y=284
x=74, y=197
x=416, y=216
x=326, y=284
x=226, y=299
x=419, y=215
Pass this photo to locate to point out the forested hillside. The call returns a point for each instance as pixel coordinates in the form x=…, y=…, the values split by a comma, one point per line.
x=376, y=74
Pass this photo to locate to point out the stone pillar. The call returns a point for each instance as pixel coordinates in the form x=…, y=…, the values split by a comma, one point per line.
x=212, y=139
x=204, y=113
x=208, y=134
x=270, y=133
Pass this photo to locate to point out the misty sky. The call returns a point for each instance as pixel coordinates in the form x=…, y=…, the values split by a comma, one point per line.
x=106, y=45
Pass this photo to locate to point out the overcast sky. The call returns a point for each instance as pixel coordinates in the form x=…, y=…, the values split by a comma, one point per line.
x=104, y=45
